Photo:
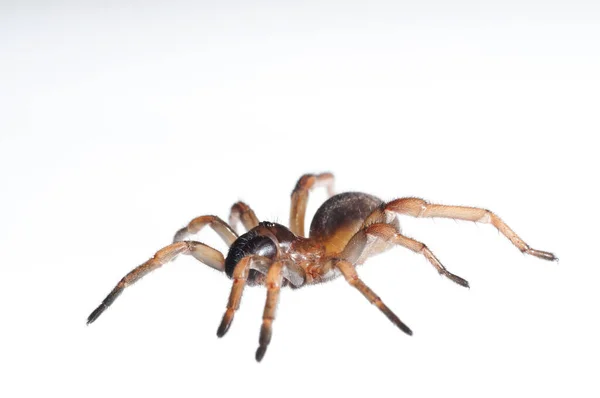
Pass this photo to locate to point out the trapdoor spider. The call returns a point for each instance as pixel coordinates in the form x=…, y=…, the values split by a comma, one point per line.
x=346, y=230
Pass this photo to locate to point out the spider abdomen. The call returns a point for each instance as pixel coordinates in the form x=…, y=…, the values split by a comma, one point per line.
x=340, y=217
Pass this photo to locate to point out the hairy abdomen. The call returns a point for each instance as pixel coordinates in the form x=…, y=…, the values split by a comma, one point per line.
x=340, y=217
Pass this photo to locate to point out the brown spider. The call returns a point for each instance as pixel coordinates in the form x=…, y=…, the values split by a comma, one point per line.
x=346, y=230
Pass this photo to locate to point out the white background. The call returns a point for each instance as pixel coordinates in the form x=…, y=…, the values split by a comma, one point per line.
x=119, y=124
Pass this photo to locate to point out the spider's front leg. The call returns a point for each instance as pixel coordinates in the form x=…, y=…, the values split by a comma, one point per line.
x=223, y=229
x=305, y=184
x=240, y=211
x=416, y=207
x=275, y=272
x=239, y=278
x=273, y=283
x=200, y=251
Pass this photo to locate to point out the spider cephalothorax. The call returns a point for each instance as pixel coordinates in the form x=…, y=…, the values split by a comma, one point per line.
x=345, y=231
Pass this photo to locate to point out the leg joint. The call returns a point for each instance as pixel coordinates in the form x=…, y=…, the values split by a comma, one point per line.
x=411, y=206
x=381, y=230
x=305, y=182
x=487, y=216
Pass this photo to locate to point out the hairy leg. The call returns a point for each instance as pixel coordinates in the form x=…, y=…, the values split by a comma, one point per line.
x=349, y=271
x=300, y=198
x=273, y=283
x=219, y=226
x=358, y=248
x=240, y=275
x=200, y=251
x=416, y=207
x=240, y=211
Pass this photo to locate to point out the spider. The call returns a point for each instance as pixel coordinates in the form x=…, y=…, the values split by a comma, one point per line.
x=346, y=230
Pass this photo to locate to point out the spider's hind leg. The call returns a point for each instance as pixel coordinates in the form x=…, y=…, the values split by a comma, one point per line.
x=348, y=270
x=416, y=207
x=368, y=241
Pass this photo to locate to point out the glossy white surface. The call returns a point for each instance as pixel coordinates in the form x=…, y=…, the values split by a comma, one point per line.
x=120, y=124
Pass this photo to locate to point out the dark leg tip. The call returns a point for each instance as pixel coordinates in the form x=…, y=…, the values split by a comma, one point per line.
x=461, y=281
x=96, y=313
x=541, y=254
x=225, y=323
x=223, y=328
x=260, y=353
x=455, y=278
x=405, y=329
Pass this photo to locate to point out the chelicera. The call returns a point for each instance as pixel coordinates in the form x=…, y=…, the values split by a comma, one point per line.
x=346, y=230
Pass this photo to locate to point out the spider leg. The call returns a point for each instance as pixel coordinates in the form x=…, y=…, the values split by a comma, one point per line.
x=300, y=198
x=416, y=207
x=359, y=247
x=200, y=251
x=219, y=226
x=273, y=283
x=349, y=271
x=239, y=277
x=240, y=211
